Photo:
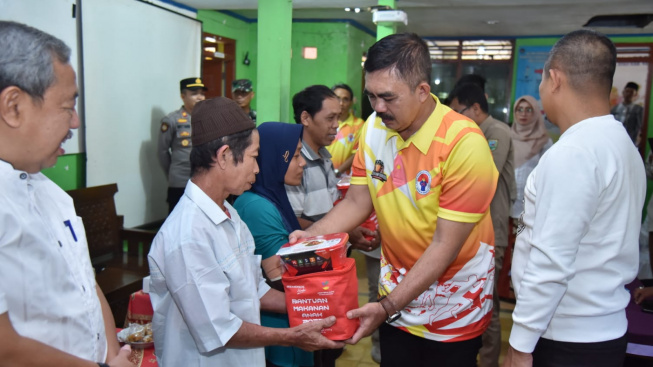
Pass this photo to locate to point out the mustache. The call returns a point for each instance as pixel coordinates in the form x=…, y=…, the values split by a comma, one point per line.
x=385, y=116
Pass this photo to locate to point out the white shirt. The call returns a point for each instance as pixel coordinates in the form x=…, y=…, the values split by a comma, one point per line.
x=47, y=284
x=578, y=246
x=205, y=281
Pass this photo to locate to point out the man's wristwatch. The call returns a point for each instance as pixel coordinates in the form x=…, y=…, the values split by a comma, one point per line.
x=390, y=309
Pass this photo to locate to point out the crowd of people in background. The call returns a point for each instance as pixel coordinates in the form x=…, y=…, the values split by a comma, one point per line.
x=447, y=182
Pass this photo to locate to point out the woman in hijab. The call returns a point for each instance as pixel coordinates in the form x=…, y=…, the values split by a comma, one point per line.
x=531, y=140
x=267, y=212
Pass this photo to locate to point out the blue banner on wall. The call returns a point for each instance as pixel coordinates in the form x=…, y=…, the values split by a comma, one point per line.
x=530, y=64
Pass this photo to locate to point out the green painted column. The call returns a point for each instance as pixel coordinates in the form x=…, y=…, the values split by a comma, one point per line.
x=274, y=50
x=386, y=28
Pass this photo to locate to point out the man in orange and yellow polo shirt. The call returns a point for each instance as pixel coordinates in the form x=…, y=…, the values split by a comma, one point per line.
x=429, y=174
x=344, y=146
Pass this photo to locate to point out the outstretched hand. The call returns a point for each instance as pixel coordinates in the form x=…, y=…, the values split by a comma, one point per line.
x=122, y=359
x=641, y=294
x=297, y=235
x=364, y=239
x=309, y=337
x=371, y=315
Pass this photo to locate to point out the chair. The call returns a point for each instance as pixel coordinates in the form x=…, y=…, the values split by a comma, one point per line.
x=119, y=255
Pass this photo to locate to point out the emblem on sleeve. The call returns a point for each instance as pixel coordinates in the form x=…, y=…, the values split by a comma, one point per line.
x=493, y=144
x=164, y=127
x=378, y=171
x=423, y=182
x=350, y=138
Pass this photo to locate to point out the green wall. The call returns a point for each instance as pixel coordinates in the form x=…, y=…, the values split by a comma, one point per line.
x=339, y=54
x=69, y=172
x=245, y=35
x=340, y=49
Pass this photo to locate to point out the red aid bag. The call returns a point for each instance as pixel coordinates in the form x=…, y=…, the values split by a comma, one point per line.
x=316, y=296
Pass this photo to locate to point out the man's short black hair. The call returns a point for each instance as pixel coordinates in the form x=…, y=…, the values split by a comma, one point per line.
x=345, y=87
x=473, y=79
x=468, y=94
x=588, y=58
x=202, y=156
x=632, y=85
x=404, y=53
x=310, y=100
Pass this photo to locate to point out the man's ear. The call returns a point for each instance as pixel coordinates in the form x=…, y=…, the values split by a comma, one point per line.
x=11, y=105
x=253, y=94
x=222, y=156
x=477, y=108
x=305, y=118
x=424, y=91
x=557, y=79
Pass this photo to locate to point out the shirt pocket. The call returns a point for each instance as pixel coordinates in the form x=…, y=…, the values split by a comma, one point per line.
x=183, y=131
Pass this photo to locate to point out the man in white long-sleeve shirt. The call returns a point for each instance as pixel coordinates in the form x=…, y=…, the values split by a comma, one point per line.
x=577, y=245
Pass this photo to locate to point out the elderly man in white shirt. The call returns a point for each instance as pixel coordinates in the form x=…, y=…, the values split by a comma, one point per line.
x=206, y=286
x=52, y=313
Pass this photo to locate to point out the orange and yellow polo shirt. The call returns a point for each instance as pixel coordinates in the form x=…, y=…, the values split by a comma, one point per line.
x=346, y=142
x=444, y=170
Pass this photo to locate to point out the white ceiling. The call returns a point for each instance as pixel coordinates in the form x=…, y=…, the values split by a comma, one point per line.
x=463, y=18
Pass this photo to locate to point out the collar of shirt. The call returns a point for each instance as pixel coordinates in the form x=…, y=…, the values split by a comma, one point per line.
x=423, y=137
x=310, y=154
x=349, y=121
x=206, y=204
x=18, y=179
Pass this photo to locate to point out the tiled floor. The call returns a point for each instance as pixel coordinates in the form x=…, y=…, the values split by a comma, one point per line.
x=359, y=355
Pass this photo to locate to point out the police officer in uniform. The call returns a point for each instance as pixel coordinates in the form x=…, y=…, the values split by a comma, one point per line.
x=243, y=93
x=175, y=140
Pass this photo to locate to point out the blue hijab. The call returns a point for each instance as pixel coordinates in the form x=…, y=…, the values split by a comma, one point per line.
x=278, y=142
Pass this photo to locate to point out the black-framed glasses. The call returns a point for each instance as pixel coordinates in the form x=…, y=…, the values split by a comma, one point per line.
x=463, y=110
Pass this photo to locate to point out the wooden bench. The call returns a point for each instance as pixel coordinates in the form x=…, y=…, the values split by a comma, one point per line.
x=119, y=255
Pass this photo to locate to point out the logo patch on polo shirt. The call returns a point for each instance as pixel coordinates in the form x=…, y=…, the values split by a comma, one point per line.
x=350, y=138
x=493, y=143
x=423, y=182
x=378, y=171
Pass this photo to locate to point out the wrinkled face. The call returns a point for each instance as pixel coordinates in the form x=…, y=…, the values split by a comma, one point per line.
x=243, y=174
x=523, y=112
x=191, y=97
x=48, y=123
x=629, y=95
x=322, y=128
x=394, y=101
x=243, y=98
x=295, y=170
x=345, y=100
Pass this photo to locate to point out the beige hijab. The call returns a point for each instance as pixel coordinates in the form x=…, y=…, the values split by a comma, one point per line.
x=528, y=139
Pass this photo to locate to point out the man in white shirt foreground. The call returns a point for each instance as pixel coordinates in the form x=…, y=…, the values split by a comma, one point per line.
x=207, y=289
x=577, y=245
x=52, y=313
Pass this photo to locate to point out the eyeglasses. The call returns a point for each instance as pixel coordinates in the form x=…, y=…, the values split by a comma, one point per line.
x=524, y=110
x=463, y=110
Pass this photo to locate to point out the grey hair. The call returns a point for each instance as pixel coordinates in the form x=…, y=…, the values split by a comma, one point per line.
x=26, y=58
